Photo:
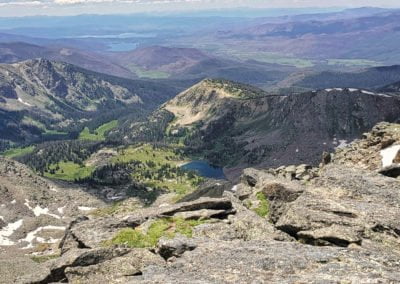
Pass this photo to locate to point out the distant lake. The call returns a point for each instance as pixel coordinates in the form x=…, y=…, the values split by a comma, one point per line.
x=204, y=169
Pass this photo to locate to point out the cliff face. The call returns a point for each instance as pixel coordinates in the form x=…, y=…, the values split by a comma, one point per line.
x=338, y=222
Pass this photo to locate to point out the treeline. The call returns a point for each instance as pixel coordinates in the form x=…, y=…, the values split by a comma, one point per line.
x=5, y=145
x=137, y=171
x=151, y=130
x=111, y=174
x=50, y=153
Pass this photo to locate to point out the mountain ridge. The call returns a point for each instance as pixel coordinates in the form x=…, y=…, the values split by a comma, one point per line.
x=12, y=52
x=163, y=58
x=53, y=95
x=268, y=130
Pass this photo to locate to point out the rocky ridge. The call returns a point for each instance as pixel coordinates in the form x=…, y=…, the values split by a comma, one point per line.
x=238, y=126
x=340, y=225
x=34, y=210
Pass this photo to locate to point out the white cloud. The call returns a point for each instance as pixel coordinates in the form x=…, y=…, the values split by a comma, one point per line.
x=21, y=3
x=72, y=2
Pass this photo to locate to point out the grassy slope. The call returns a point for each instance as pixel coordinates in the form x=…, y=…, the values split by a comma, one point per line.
x=145, y=153
x=100, y=133
x=16, y=152
x=30, y=121
x=268, y=57
x=151, y=74
x=154, y=161
x=69, y=171
x=161, y=157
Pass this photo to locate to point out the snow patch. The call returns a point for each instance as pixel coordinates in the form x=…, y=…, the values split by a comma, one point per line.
x=115, y=197
x=13, y=202
x=2, y=218
x=7, y=231
x=375, y=94
x=25, y=103
x=367, y=92
x=111, y=196
x=54, y=189
x=40, y=211
x=342, y=144
x=389, y=154
x=234, y=188
x=83, y=208
x=334, y=89
x=61, y=210
x=31, y=236
x=353, y=90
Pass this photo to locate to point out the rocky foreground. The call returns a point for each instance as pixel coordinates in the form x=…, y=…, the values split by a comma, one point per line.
x=339, y=223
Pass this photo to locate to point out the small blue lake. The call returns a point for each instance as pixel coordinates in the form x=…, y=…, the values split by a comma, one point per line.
x=204, y=169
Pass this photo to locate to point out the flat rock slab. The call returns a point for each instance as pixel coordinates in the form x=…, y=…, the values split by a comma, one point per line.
x=89, y=233
x=345, y=206
x=274, y=262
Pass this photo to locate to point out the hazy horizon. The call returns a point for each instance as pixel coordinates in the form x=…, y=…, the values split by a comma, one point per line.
x=19, y=8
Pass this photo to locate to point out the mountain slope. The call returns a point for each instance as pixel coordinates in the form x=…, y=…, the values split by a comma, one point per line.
x=235, y=125
x=160, y=58
x=40, y=95
x=12, y=52
x=34, y=214
x=370, y=78
x=391, y=88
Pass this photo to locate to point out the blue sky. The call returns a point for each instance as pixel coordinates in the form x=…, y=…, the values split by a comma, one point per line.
x=72, y=7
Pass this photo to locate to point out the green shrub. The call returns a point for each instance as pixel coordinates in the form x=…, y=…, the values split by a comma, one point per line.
x=263, y=209
x=166, y=227
x=44, y=258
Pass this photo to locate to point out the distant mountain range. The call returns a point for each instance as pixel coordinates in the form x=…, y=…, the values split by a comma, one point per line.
x=39, y=98
x=371, y=78
x=322, y=38
x=20, y=51
x=152, y=62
